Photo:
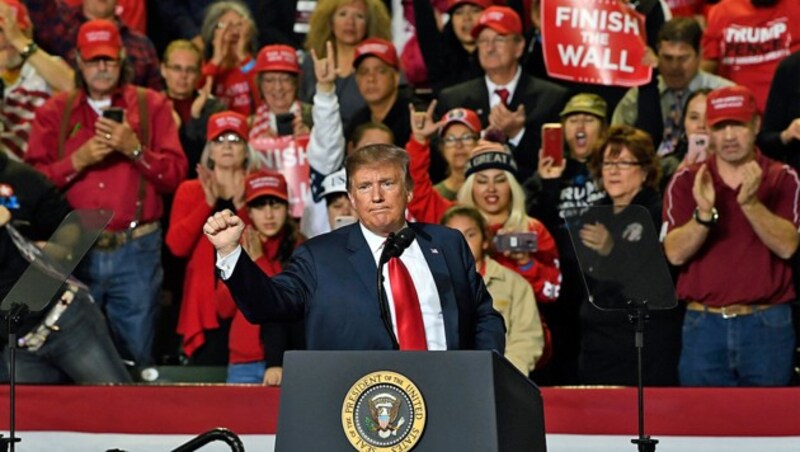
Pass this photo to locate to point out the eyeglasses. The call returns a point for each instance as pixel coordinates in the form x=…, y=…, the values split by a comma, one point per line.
x=109, y=62
x=183, y=69
x=468, y=139
x=496, y=41
x=229, y=138
x=621, y=165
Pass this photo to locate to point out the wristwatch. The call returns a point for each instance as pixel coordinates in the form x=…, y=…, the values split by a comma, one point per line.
x=707, y=223
x=137, y=153
x=28, y=50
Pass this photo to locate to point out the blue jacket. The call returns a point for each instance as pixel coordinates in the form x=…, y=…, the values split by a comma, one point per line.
x=331, y=280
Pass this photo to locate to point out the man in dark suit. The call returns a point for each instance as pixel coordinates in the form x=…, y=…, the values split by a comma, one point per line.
x=506, y=98
x=331, y=278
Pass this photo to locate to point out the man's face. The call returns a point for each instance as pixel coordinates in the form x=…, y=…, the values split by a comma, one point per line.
x=734, y=141
x=379, y=197
x=181, y=72
x=678, y=63
x=376, y=80
x=101, y=75
x=498, y=52
x=99, y=9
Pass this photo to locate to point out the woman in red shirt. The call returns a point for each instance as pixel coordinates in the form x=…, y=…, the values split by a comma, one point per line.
x=224, y=163
x=229, y=36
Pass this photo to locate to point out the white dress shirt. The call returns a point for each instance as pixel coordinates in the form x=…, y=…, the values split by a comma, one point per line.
x=495, y=100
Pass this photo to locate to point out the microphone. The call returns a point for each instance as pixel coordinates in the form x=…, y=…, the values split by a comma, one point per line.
x=396, y=243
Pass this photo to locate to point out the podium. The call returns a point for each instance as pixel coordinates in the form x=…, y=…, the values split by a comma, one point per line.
x=391, y=400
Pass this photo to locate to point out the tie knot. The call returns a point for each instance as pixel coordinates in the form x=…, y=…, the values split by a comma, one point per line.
x=503, y=94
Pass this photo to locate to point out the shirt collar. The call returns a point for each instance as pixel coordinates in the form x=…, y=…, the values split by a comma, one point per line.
x=510, y=86
x=374, y=241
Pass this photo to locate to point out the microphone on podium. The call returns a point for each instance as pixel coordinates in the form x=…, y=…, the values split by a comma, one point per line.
x=396, y=243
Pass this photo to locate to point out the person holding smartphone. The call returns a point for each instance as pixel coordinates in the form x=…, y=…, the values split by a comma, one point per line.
x=559, y=192
x=121, y=166
x=280, y=112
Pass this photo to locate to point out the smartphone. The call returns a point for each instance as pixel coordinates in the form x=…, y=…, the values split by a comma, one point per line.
x=516, y=242
x=339, y=222
x=114, y=113
x=553, y=142
x=284, y=121
x=698, y=148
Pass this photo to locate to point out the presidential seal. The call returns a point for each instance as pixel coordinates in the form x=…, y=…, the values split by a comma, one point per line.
x=383, y=412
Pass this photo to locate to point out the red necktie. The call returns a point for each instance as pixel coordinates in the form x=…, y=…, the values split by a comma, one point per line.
x=410, y=329
x=503, y=93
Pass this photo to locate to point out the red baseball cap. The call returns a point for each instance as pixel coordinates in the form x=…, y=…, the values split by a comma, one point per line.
x=452, y=4
x=500, y=19
x=227, y=121
x=731, y=103
x=265, y=183
x=377, y=47
x=463, y=116
x=279, y=58
x=21, y=12
x=99, y=38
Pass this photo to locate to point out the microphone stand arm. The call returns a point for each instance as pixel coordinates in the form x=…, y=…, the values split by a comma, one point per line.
x=384, y=305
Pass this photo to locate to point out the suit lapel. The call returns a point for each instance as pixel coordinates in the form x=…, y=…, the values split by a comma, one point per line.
x=434, y=255
x=482, y=108
x=362, y=260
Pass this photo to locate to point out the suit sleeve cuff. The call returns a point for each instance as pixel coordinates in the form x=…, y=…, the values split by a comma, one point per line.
x=226, y=264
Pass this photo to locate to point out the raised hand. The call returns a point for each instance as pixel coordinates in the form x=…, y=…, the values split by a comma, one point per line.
x=703, y=190
x=252, y=243
x=202, y=96
x=751, y=179
x=224, y=231
x=510, y=122
x=422, y=124
x=325, y=69
x=209, y=184
x=546, y=168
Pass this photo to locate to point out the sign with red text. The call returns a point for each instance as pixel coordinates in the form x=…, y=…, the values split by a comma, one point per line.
x=287, y=155
x=594, y=41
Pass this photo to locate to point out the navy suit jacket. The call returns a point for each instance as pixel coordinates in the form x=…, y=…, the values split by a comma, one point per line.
x=331, y=280
x=543, y=102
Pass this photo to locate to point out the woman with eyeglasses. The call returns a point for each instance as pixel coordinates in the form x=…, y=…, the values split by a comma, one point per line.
x=280, y=112
x=613, y=246
x=180, y=68
x=458, y=136
x=224, y=164
x=230, y=40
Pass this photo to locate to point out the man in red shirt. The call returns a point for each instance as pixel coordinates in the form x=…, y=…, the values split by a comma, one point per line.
x=746, y=40
x=732, y=225
x=113, y=146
